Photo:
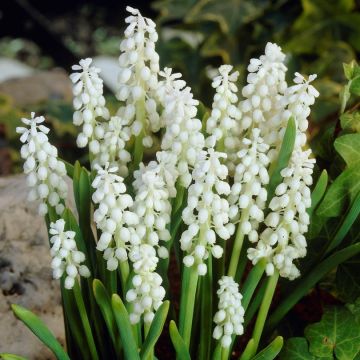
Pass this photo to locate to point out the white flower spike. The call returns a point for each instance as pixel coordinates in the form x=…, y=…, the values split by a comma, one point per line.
x=66, y=258
x=229, y=318
x=45, y=173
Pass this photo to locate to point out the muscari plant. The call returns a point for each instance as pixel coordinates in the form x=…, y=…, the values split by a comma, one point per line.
x=224, y=194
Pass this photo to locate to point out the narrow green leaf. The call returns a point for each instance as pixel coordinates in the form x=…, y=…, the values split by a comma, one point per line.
x=104, y=301
x=155, y=331
x=252, y=282
x=346, y=225
x=249, y=349
x=6, y=356
x=282, y=161
x=271, y=351
x=36, y=325
x=319, y=191
x=310, y=280
x=76, y=186
x=69, y=168
x=178, y=342
x=124, y=326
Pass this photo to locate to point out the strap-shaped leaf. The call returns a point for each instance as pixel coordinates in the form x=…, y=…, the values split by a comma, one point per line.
x=69, y=168
x=249, y=349
x=271, y=351
x=155, y=330
x=36, y=325
x=282, y=161
x=104, y=301
x=349, y=220
x=6, y=356
x=178, y=342
x=319, y=191
x=124, y=326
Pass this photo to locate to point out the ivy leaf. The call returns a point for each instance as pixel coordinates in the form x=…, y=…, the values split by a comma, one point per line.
x=336, y=334
x=296, y=348
x=350, y=121
x=348, y=146
x=355, y=86
x=341, y=193
x=230, y=14
x=348, y=279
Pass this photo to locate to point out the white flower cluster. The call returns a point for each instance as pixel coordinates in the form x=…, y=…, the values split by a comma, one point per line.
x=45, y=173
x=225, y=116
x=138, y=77
x=229, y=318
x=89, y=102
x=112, y=141
x=297, y=101
x=263, y=93
x=248, y=193
x=183, y=135
x=147, y=293
x=283, y=240
x=206, y=213
x=153, y=207
x=66, y=258
x=113, y=216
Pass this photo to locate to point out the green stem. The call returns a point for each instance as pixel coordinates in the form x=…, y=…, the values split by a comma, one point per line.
x=264, y=309
x=224, y=353
x=235, y=255
x=187, y=305
x=85, y=321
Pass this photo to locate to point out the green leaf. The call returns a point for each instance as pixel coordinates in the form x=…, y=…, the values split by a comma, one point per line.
x=340, y=193
x=348, y=279
x=355, y=86
x=319, y=191
x=271, y=351
x=348, y=146
x=336, y=334
x=249, y=349
x=36, y=325
x=350, y=121
x=346, y=225
x=230, y=15
x=124, y=326
x=104, y=301
x=69, y=168
x=178, y=342
x=306, y=283
x=296, y=348
x=155, y=330
x=5, y=356
x=282, y=161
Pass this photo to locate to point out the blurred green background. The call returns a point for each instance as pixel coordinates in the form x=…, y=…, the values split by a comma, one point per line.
x=196, y=36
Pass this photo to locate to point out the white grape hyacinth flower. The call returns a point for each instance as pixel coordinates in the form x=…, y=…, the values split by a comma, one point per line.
x=89, y=102
x=248, y=193
x=229, y=318
x=66, y=258
x=207, y=210
x=183, y=136
x=138, y=77
x=113, y=216
x=263, y=93
x=283, y=240
x=147, y=293
x=152, y=203
x=113, y=135
x=45, y=173
x=223, y=122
